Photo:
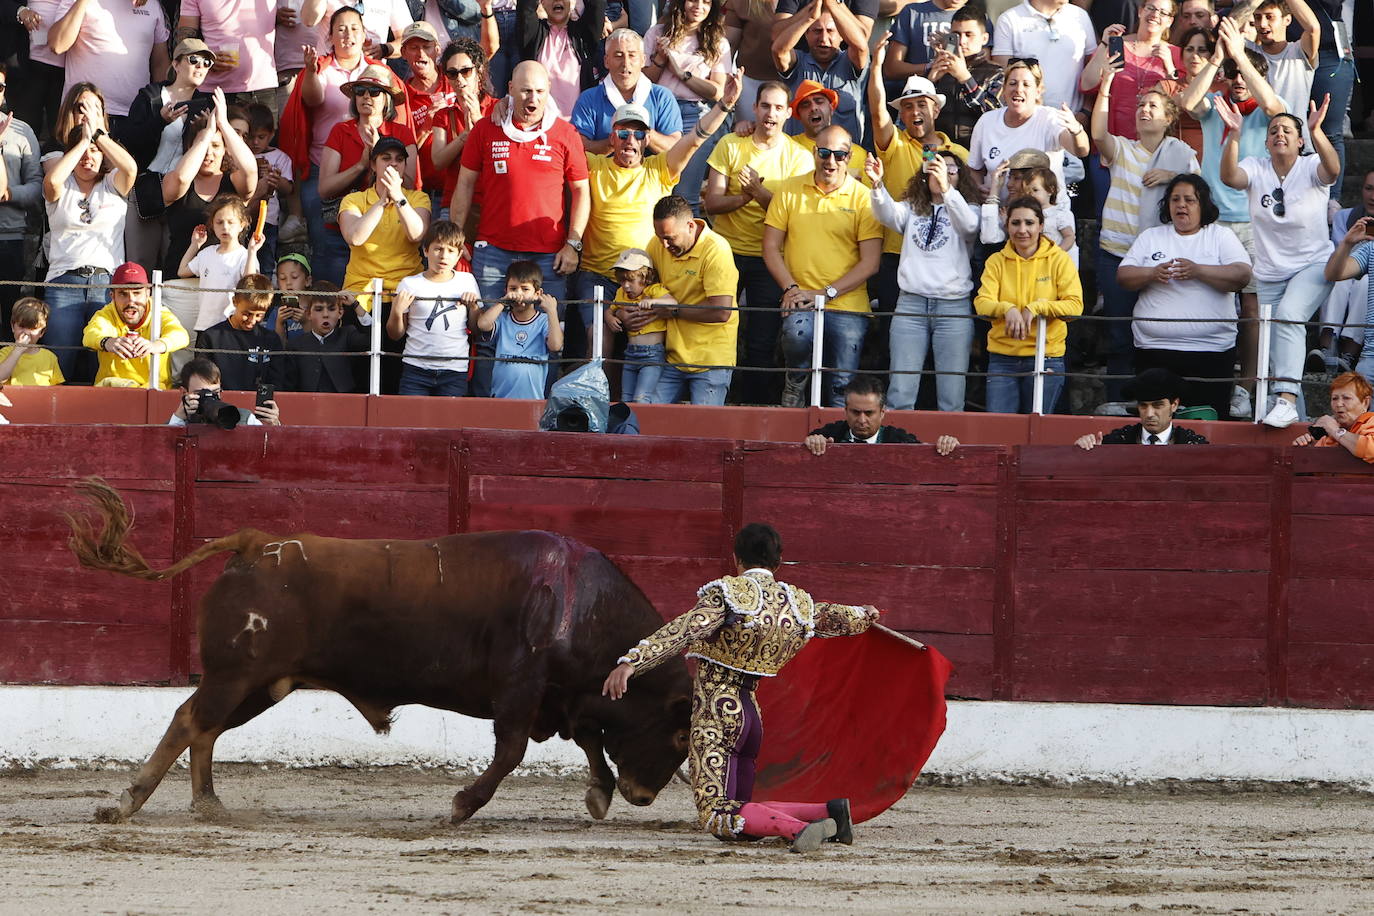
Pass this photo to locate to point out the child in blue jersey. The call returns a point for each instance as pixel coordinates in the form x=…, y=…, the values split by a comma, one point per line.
x=524, y=330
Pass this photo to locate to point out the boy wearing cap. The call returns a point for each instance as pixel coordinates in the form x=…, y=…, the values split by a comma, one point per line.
x=645, y=354
x=824, y=25
x=124, y=338
x=1157, y=393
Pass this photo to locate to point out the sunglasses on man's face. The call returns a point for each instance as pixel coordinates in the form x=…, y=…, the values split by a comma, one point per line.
x=625, y=134
x=369, y=91
x=454, y=73
x=826, y=153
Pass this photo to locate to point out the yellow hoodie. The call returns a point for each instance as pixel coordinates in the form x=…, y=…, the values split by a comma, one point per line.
x=109, y=323
x=1046, y=283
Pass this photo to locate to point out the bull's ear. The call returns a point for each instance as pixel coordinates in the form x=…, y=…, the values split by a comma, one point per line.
x=680, y=710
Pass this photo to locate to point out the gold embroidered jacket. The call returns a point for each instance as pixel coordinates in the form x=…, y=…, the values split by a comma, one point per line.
x=751, y=623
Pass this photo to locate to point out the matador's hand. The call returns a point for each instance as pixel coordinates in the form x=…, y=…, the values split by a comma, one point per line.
x=618, y=681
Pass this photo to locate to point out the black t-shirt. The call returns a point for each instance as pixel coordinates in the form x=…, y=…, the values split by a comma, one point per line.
x=1110, y=12
x=183, y=216
x=867, y=8
x=237, y=371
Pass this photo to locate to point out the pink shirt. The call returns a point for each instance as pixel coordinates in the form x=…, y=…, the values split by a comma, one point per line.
x=1139, y=75
x=289, y=46
x=113, y=48
x=246, y=26
x=565, y=70
x=38, y=38
x=334, y=108
x=688, y=57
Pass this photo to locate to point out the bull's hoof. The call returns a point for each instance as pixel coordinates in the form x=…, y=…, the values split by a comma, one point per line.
x=598, y=802
x=462, y=809
x=209, y=808
x=113, y=815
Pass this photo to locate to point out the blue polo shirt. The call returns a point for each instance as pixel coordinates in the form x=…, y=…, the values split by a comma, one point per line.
x=593, y=112
x=841, y=76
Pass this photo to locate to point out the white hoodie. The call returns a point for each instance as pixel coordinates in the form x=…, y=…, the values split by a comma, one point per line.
x=934, y=261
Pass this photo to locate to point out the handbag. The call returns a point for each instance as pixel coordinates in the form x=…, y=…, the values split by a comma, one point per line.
x=148, y=196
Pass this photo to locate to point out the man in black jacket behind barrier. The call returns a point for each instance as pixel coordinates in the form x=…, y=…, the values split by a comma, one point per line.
x=865, y=405
x=1157, y=393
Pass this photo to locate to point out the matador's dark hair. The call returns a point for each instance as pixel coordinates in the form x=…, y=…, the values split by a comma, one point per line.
x=759, y=545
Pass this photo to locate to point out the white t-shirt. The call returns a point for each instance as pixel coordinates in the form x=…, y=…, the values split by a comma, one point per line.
x=1215, y=332
x=378, y=17
x=113, y=48
x=87, y=231
x=994, y=141
x=437, y=324
x=1285, y=245
x=169, y=144
x=1061, y=43
x=217, y=272
x=1290, y=76
x=282, y=163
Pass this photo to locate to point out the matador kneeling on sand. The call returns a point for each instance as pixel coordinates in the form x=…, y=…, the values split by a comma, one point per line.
x=743, y=628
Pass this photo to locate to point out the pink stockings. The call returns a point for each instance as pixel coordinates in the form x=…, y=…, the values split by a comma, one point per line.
x=784, y=819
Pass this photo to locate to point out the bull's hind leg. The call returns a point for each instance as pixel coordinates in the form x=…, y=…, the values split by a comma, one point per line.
x=600, y=781
x=204, y=801
x=513, y=725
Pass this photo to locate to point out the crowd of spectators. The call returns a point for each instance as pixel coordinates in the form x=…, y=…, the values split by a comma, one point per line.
x=707, y=169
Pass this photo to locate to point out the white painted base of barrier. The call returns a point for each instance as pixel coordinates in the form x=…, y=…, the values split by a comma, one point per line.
x=85, y=726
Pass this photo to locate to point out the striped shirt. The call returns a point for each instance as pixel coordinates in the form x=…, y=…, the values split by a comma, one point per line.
x=1121, y=212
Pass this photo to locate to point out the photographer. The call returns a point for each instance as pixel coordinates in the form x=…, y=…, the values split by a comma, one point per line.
x=199, y=382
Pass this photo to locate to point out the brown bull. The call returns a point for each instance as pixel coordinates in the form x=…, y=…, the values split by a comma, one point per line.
x=515, y=626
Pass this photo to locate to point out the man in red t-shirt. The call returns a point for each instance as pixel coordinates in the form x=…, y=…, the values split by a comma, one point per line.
x=528, y=164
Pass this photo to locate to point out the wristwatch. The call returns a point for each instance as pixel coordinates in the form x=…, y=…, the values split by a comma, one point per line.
x=401, y=201
x=575, y=245
x=831, y=293
x=99, y=132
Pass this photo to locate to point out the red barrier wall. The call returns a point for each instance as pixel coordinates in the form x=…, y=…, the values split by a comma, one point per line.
x=1217, y=575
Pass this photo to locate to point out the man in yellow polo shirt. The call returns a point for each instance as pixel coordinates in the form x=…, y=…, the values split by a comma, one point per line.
x=744, y=173
x=902, y=152
x=813, y=106
x=821, y=238
x=697, y=267
x=625, y=185
x=123, y=335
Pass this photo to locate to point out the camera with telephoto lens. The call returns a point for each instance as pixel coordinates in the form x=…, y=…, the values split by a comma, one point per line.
x=211, y=409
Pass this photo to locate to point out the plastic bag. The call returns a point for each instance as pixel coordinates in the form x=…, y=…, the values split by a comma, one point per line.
x=587, y=388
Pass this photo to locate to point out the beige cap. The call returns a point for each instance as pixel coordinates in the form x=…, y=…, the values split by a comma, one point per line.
x=375, y=75
x=1029, y=159
x=420, y=30
x=633, y=259
x=191, y=46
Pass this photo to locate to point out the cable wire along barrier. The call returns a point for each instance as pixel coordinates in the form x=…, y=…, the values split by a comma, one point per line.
x=375, y=352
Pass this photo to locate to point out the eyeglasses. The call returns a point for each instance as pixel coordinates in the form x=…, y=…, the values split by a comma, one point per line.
x=370, y=91
x=1279, y=208
x=625, y=134
x=87, y=211
x=1147, y=10
x=199, y=60
x=840, y=154
x=454, y=72
x=4, y=86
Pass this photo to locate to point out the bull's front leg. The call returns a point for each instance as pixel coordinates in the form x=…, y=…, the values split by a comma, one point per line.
x=600, y=781
x=512, y=737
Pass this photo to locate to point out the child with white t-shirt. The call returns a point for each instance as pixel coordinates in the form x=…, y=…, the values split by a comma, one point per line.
x=275, y=177
x=432, y=311
x=220, y=267
x=1041, y=184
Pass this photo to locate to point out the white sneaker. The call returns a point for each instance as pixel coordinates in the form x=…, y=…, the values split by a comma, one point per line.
x=1283, y=414
x=1240, y=403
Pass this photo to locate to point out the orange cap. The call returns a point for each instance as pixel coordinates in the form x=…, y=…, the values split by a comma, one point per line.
x=808, y=88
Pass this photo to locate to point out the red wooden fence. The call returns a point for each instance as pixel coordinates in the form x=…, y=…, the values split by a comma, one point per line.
x=1223, y=575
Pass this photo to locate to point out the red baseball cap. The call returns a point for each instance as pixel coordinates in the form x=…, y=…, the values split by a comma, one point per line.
x=129, y=274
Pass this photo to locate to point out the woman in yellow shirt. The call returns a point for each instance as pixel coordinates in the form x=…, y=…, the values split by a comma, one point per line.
x=1031, y=279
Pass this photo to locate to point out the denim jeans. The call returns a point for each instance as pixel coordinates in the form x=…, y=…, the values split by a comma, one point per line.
x=267, y=254
x=920, y=324
x=583, y=286
x=489, y=265
x=706, y=387
x=694, y=174
x=416, y=380
x=759, y=330
x=844, y=339
x=1335, y=75
x=1116, y=341
x=1008, y=394
x=508, y=55
x=641, y=372
x=328, y=250
x=1294, y=299
x=69, y=310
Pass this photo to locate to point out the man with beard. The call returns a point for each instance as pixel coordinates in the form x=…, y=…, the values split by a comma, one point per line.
x=821, y=238
x=122, y=335
x=626, y=85
x=827, y=26
x=625, y=185
x=813, y=107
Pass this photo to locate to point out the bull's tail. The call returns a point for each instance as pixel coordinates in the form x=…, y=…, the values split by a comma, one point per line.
x=109, y=550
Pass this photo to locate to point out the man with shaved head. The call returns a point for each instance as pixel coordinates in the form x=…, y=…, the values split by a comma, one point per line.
x=529, y=162
x=821, y=240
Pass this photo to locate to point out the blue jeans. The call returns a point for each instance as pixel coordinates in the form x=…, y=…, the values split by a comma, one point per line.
x=641, y=372
x=328, y=250
x=706, y=387
x=1294, y=299
x=69, y=310
x=844, y=339
x=416, y=380
x=489, y=265
x=919, y=324
x=507, y=56
x=694, y=174
x=1008, y=394
x=1118, y=344
x=267, y=254
x=1335, y=75
x=584, y=284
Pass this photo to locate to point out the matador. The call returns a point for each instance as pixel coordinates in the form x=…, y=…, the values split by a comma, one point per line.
x=743, y=628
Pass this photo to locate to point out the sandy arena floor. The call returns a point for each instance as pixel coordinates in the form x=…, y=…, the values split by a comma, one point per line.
x=355, y=841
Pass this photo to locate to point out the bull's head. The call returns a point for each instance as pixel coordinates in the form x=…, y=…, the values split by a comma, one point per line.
x=645, y=736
